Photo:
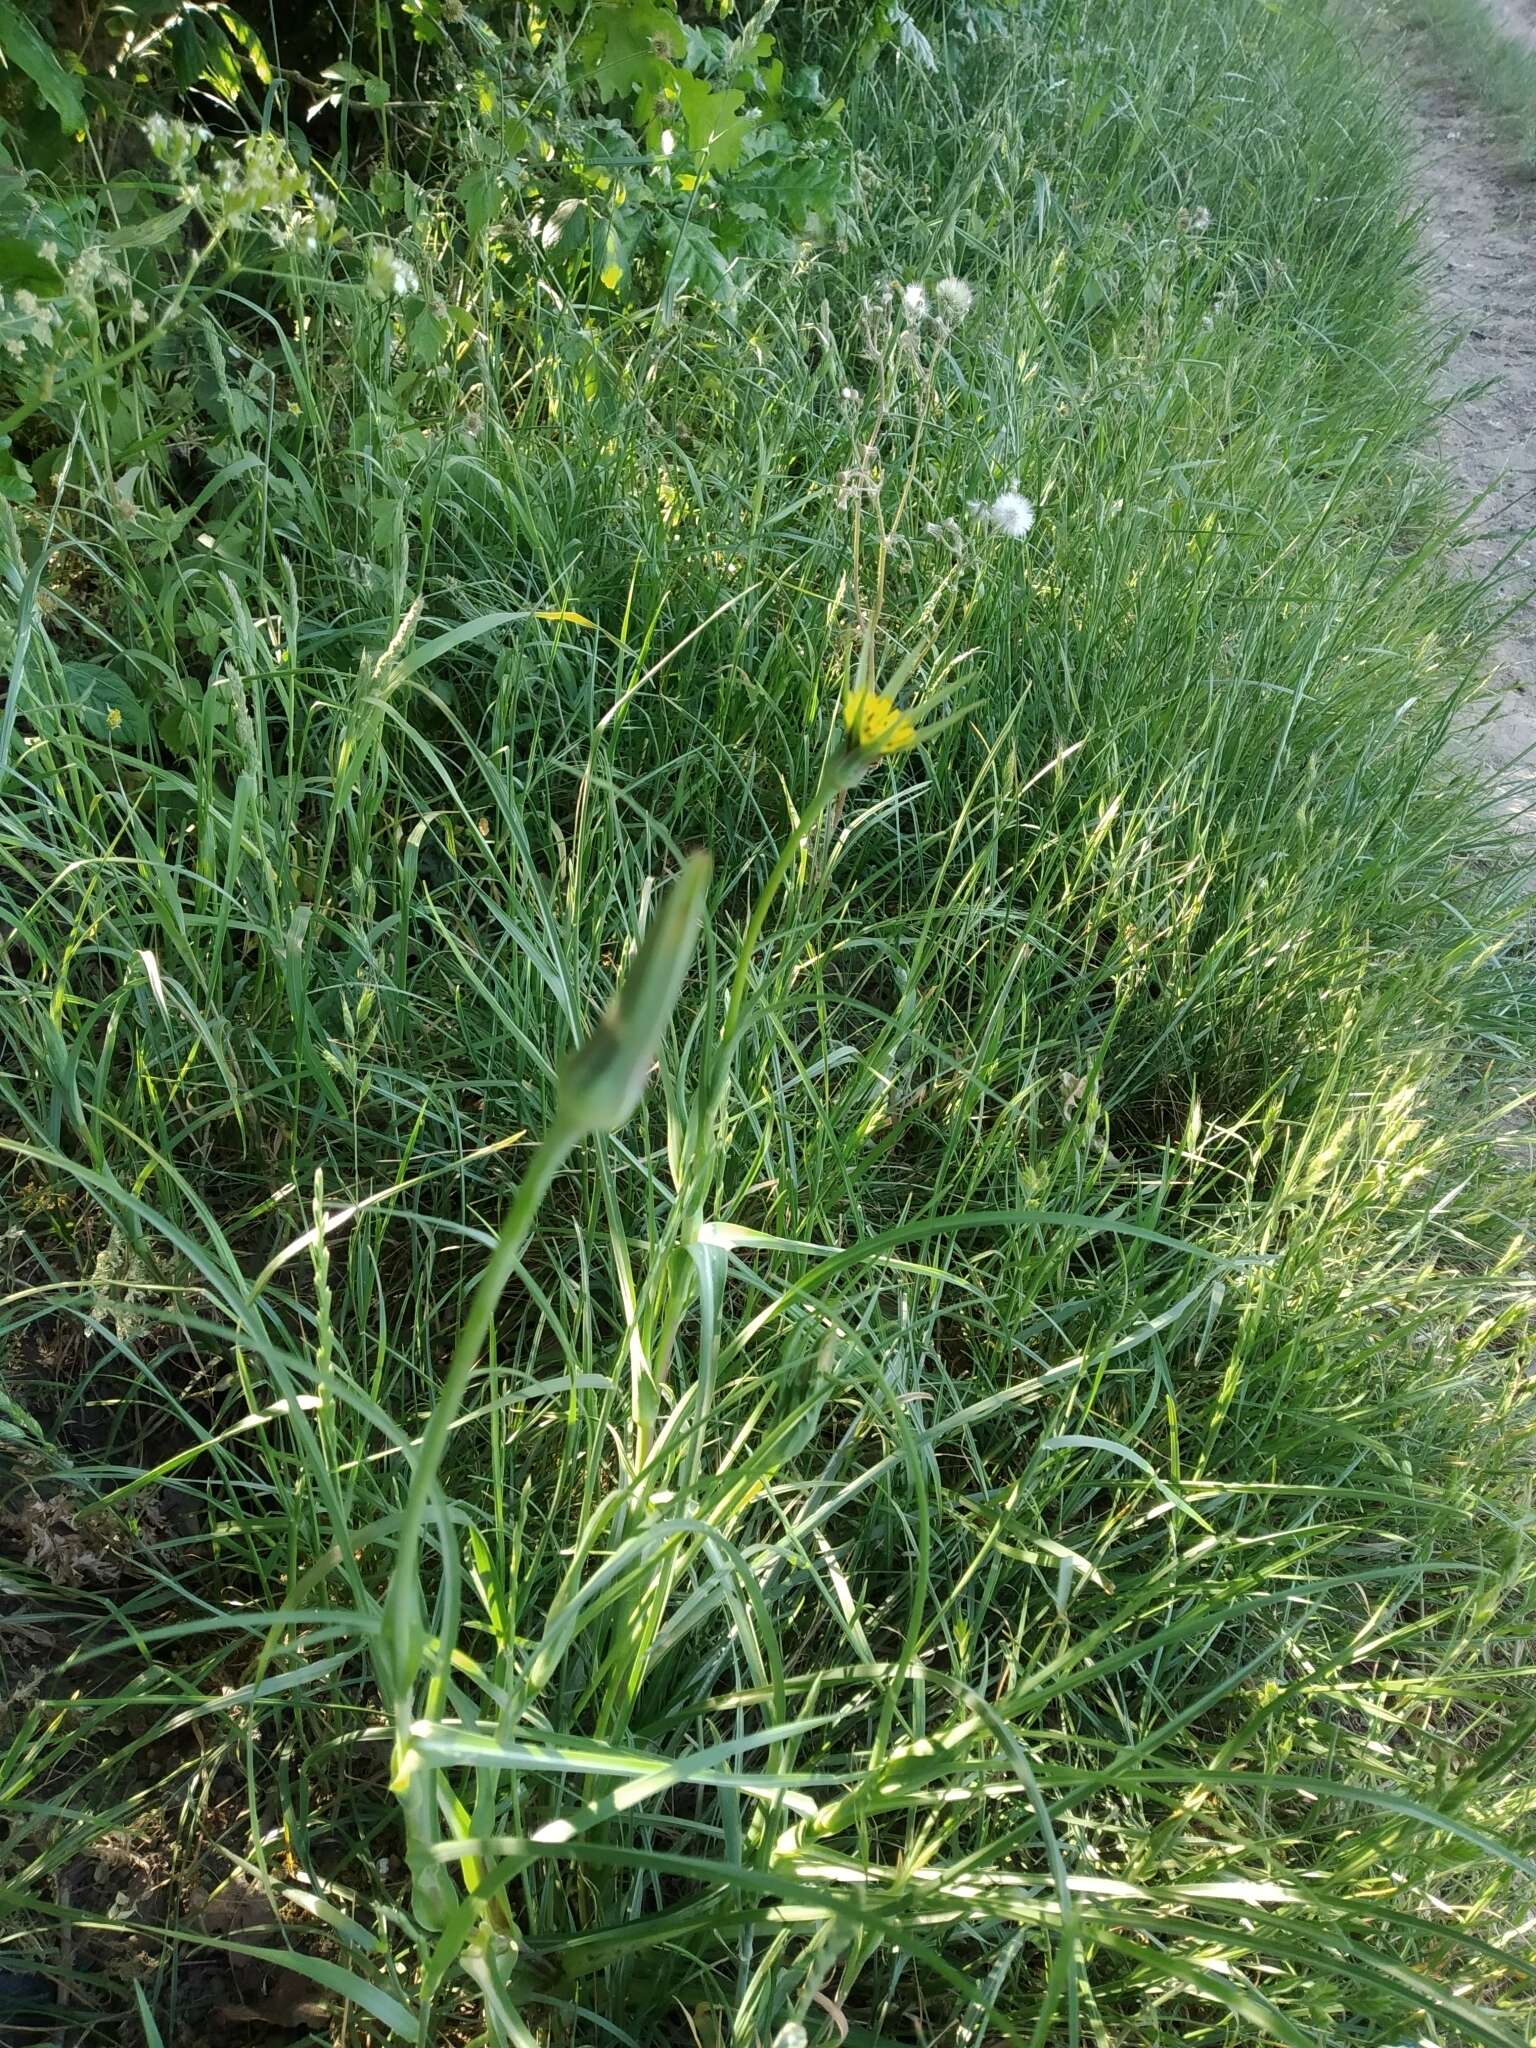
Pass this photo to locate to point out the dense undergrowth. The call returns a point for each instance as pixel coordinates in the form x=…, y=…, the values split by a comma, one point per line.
x=997, y=1506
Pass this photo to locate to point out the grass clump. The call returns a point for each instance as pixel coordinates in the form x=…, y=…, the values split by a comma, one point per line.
x=995, y=1502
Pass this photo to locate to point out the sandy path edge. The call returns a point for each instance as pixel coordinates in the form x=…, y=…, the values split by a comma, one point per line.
x=1479, y=229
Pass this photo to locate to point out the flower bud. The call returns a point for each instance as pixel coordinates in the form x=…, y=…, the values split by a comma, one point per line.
x=603, y=1079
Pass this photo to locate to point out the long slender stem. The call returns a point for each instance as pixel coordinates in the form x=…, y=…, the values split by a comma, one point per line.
x=823, y=794
x=403, y=1642
x=404, y=1607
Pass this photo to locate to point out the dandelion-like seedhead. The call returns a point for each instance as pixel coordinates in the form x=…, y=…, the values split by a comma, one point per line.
x=914, y=302
x=954, y=299
x=876, y=724
x=1010, y=512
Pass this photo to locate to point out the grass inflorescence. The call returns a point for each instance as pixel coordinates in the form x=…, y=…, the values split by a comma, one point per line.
x=996, y=1503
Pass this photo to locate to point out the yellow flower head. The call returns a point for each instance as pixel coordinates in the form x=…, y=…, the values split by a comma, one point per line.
x=876, y=724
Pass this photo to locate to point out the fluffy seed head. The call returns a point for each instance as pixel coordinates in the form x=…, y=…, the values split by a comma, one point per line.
x=954, y=297
x=1010, y=512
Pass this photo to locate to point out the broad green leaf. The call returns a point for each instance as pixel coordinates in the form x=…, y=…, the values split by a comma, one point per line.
x=245, y=38
x=608, y=254
x=21, y=45
x=16, y=485
x=106, y=702
x=713, y=122
x=147, y=234
x=221, y=71
x=480, y=196
x=628, y=45
x=428, y=336
x=22, y=268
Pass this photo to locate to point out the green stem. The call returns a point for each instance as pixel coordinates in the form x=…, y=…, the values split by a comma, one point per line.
x=403, y=1644
x=403, y=1608
x=823, y=794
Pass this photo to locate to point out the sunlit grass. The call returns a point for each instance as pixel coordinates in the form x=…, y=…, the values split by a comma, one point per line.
x=997, y=1504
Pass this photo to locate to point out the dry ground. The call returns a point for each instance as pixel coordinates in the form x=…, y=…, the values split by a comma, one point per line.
x=1480, y=239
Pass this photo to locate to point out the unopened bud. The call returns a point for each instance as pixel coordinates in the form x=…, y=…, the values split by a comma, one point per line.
x=602, y=1081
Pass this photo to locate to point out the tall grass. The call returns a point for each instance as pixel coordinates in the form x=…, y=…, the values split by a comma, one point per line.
x=998, y=1505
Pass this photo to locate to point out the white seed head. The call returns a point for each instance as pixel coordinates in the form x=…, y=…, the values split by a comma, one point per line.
x=1010, y=512
x=955, y=298
x=914, y=301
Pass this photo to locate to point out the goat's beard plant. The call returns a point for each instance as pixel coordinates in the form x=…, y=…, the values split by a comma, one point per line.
x=880, y=717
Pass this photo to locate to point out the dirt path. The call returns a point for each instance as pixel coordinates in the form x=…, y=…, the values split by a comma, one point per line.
x=1480, y=238
x=1517, y=18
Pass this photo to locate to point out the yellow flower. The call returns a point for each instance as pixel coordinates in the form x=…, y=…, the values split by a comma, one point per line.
x=876, y=724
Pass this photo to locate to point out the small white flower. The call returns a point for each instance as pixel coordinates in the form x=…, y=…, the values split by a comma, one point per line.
x=1010, y=512
x=955, y=298
x=1200, y=220
x=390, y=275
x=914, y=302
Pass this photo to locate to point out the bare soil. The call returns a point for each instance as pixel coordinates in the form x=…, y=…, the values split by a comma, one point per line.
x=1479, y=226
x=1517, y=18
